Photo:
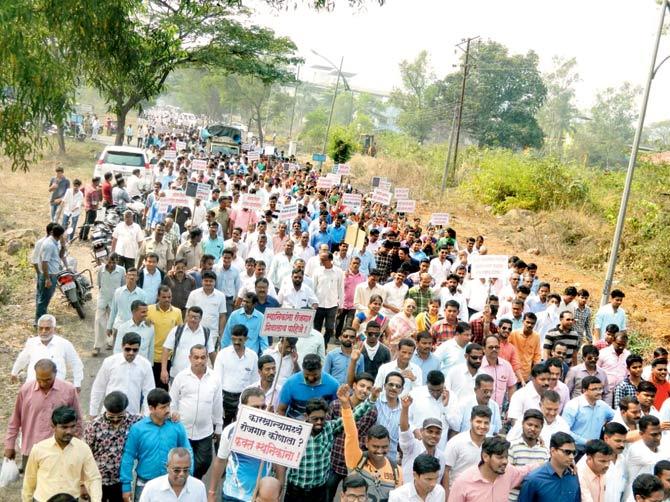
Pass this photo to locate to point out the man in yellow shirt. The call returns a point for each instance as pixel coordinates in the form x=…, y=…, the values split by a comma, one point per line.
x=61, y=464
x=381, y=474
x=163, y=316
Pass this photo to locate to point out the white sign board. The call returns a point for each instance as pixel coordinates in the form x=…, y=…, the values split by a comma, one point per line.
x=406, y=206
x=170, y=154
x=382, y=197
x=181, y=145
x=287, y=322
x=293, y=167
x=199, y=164
x=251, y=201
x=324, y=183
x=385, y=185
x=203, y=192
x=488, y=266
x=273, y=438
x=439, y=219
x=173, y=198
x=288, y=212
x=352, y=200
x=335, y=177
x=251, y=156
x=343, y=169
x=402, y=193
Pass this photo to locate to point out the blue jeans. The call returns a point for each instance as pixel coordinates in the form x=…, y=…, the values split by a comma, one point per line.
x=44, y=295
x=54, y=211
x=70, y=221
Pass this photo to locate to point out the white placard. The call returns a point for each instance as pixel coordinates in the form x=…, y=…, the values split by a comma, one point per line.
x=173, y=198
x=204, y=189
x=287, y=322
x=352, y=200
x=181, y=145
x=406, y=206
x=343, y=169
x=251, y=201
x=335, y=177
x=402, y=193
x=199, y=164
x=251, y=156
x=488, y=266
x=273, y=438
x=382, y=197
x=439, y=219
x=324, y=183
x=288, y=212
x=385, y=185
x=170, y=154
x=293, y=167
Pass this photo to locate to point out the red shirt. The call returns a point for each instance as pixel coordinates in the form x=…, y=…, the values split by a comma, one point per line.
x=662, y=393
x=107, y=192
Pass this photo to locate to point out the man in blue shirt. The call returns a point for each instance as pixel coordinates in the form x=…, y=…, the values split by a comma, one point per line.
x=337, y=360
x=423, y=356
x=586, y=414
x=149, y=442
x=555, y=480
x=228, y=278
x=321, y=237
x=301, y=387
x=337, y=231
x=49, y=264
x=252, y=319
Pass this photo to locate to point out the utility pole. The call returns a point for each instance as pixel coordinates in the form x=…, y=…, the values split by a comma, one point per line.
x=460, y=107
x=618, y=231
x=332, y=106
x=451, y=145
x=295, y=100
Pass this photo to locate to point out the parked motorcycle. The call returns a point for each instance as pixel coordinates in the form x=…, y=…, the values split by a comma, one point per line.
x=76, y=288
x=101, y=241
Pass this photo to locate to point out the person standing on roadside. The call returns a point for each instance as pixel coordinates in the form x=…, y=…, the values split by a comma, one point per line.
x=92, y=196
x=110, y=277
x=50, y=265
x=58, y=185
x=73, y=201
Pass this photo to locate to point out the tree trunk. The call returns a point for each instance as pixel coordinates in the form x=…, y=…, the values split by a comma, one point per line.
x=61, y=139
x=120, y=125
x=259, y=123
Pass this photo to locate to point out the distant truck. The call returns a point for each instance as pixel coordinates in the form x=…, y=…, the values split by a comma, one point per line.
x=224, y=139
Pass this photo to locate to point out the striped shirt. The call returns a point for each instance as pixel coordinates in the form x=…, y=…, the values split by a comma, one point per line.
x=521, y=454
x=569, y=338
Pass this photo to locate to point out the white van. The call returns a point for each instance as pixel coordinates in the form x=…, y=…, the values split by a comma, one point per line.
x=123, y=160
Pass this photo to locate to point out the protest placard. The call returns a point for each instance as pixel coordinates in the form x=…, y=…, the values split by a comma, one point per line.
x=288, y=212
x=292, y=166
x=170, y=154
x=406, y=206
x=343, y=170
x=402, y=193
x=382, y=196
x=251, y=201
x=251, y=156
x=439, y=219
x=287, y=322
x=263, y=435
x=173, y=198
x=385, y=185
x=335, y=177
x=352, y=200
x=326, y=183
x=355, y=236
x=488, y=266
x=181, y=145
x=199, y=164
x=376, y=180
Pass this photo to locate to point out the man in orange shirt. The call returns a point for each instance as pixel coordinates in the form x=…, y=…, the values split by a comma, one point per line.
x=527, y=343
x=659, y=377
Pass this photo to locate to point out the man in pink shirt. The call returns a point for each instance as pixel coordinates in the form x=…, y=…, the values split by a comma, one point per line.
x=352, y=278
x=504, y=379
x=492, y=479
x=34, y=404
x=612, y=361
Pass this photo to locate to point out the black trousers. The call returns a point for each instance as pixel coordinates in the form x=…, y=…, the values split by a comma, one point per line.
x=344, y=319
x=112, y=493
x=156, y=368
x=126, y=262
x=90, y=219
x=316, y=494
x=325, y=316
x=230, y=403
x=202, y=456
x=334, y=481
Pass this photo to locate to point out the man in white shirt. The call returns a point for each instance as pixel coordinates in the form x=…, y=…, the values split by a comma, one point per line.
x=530, y=394
x=133, y=185
x=282, y=264
x=177, y=485
x=550, y=403
x=402, y=364
x=614, y=434
x=452, y=352
x=48, y=345
x=179, y=341
x=433, y=401
x=137, y=324
x=396, y=291
x=128, y=372
x=329, y=290
x=440, y=266
x=460, y=380
x=450, y=292
x=284, y=353
x=110, y=277
x=236, y=242
x=642, y=455
x=212, y=302
x=126, y=240
x=236, y=366
x=366, y=289
x=425, y=484
x=297, y=295
x=196, y=398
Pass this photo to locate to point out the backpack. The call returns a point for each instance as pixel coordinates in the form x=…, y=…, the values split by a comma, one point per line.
x=378, y=489
x=177, y=337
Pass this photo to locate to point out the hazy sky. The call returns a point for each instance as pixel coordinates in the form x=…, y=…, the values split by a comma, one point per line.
x=612, y=40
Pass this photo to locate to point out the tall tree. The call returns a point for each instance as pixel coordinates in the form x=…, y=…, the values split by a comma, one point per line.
x=503, y=95
x=559, y=112
x=416, y=117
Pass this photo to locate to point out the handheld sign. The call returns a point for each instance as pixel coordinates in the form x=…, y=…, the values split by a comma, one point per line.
x=385, y=185
x=352, y=200
x=402, y=193
x=170, y=154
x=273, y=438
x=406, y=206
x=251, y=156
x=488, y=266
x=288, y=212
x=173, y=198
x=376, y=180
x=287, y=322
x=251, y=201
x=439, y=219
x=355, y=236
x=335, y=177
x=199, y=164
x=382, y=197
x=326, y=183
x=180, y=145
x=343, y=169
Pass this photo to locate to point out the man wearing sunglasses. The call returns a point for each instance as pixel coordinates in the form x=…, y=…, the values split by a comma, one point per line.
x=557, y=477
x=127, y=372
x=176, y=484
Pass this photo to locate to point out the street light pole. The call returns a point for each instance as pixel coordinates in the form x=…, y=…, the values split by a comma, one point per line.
x=618, y=231
x=332, y=106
